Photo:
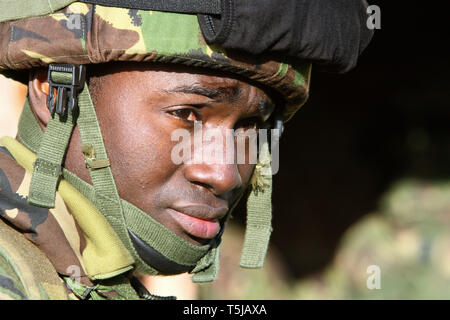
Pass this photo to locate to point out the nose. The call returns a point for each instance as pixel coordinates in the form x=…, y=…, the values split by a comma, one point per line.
x=219, y=178
x=219, y=175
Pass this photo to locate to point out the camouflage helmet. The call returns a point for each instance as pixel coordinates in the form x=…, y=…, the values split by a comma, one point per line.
x=38, y=33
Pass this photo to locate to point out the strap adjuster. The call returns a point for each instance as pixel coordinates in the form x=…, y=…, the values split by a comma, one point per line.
x=63, y=94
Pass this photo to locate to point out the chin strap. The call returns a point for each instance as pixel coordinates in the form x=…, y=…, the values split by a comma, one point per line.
x=51, y=147
x=207, y=268
x=66, y=81
x=123, y=216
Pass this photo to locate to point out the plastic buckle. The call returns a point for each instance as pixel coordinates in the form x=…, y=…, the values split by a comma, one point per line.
x=66, y=94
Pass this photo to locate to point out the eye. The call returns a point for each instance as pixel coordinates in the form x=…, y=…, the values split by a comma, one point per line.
x=185, y=114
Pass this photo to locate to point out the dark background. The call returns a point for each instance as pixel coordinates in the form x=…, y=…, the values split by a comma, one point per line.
x=359, y=132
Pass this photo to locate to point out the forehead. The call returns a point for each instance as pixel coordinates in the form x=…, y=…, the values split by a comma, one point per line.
x=154, y=77
x=139, y=80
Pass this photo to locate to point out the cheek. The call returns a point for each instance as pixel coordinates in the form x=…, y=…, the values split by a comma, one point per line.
x=246, y=171
x=138, y=146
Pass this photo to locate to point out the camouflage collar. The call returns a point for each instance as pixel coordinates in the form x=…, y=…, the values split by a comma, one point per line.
x=93, y=252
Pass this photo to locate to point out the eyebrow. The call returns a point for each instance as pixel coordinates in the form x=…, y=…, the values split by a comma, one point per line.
x=231, y=93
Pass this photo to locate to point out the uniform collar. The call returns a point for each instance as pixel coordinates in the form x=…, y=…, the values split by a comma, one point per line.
x=103, y=255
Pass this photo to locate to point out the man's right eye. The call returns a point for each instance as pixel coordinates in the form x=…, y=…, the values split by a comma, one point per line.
x=186, y=114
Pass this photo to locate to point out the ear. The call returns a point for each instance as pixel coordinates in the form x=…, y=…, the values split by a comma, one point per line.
x=38, y=91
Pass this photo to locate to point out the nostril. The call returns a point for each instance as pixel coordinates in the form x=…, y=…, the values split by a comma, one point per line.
x=202, y=184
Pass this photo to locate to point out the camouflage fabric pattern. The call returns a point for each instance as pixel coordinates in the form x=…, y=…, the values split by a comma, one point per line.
x=41, y=257
x=25, y=272
x=21, y=263
x=40, y=225
x=84, y=34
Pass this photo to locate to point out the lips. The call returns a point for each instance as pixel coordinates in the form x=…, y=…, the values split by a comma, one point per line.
x=199, y=220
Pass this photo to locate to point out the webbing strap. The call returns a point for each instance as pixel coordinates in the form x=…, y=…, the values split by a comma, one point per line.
x=47, y=168
x=171, y=246
x=207, y=268
x=108, y=201
x=185, y=6
x=107, y=198
x=29, y=131
x=100, y=291
x=259, y=216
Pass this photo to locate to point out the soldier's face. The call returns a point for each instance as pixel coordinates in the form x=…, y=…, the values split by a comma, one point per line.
x=140, y=109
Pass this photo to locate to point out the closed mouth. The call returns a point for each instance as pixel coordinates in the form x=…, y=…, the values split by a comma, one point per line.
x=200, y=221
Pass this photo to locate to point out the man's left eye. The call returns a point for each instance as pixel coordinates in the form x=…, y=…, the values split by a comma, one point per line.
x=186, y=114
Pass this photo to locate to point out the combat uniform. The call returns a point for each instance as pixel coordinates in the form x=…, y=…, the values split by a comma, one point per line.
x=44, y=251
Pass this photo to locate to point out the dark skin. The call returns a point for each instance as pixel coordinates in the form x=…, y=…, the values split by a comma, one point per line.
x=138, y=107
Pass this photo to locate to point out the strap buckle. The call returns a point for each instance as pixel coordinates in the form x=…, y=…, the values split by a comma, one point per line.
x=62, y=94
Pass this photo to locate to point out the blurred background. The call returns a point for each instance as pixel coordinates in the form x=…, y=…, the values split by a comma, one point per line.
x=364, y=179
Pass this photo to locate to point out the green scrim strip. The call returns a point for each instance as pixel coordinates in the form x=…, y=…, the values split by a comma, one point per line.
x=299, y=79
x=259, y=219
x=83, y=44
x=283, y=70
x=301, y=73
